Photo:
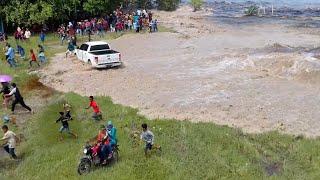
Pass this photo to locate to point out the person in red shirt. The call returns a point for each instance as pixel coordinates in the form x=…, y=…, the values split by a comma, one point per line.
x=104, y=142
x=33, y=58
x=96, y=110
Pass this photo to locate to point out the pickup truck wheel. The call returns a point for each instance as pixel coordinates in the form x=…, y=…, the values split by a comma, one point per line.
x=121, y=66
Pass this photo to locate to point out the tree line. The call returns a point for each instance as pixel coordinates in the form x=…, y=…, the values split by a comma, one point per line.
x=30, y=12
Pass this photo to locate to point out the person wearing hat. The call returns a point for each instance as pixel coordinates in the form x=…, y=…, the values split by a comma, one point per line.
x=67, y=110
x=18, y=98
x=112, y=133
x=65, y=125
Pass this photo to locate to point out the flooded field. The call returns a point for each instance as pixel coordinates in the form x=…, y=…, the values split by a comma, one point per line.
x=258, y=77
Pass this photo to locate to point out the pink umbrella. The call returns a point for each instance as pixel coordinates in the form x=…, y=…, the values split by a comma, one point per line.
x=5, y=78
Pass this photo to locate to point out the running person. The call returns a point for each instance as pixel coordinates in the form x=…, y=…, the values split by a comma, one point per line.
x=18, y=98
x=33, y=58
x=10, y=138
x=96, y=110
x=65, y=125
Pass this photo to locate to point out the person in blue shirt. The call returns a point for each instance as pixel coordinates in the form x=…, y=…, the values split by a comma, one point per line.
x=10, y=56
x=155, y=26
x=112, y=133
x=42, y=37
x=41, y=54
x=21, y=51
x=70, y=49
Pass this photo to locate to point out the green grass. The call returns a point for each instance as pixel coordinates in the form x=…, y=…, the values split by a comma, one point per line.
x=20, y=73
x=190, y=150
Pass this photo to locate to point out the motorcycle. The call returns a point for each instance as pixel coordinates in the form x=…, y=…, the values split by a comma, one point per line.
x=91, y=159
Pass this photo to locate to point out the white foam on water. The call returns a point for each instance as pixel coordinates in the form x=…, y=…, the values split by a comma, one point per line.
x=290, y=3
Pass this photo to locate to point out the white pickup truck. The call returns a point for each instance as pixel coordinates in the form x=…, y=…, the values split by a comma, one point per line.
x=98, y=54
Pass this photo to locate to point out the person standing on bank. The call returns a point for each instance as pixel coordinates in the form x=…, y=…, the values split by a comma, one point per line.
x=18, y=98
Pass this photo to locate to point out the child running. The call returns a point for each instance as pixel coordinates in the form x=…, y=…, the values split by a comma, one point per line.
x=33, y=58
x=65, y=125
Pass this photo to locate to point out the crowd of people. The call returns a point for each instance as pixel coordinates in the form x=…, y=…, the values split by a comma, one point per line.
x=10, y=55
x=107, y=135
x=22, y=34
x=118, y=21
x=105, y=140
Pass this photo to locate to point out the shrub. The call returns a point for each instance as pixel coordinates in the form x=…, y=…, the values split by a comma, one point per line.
x=251, y=11
x=168, y=5
x=196, y=4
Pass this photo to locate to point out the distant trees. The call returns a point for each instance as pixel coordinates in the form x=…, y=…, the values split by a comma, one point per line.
x=98, y=7
x=24, y=12
x=168, y=5
x=29, y=12
x=196, y=4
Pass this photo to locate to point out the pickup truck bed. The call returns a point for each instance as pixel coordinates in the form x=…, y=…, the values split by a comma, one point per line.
x=104, y=52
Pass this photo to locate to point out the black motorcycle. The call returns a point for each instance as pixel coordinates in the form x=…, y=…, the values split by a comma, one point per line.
x=90, y=160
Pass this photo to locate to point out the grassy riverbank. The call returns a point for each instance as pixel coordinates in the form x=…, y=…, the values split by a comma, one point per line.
x=190, y=150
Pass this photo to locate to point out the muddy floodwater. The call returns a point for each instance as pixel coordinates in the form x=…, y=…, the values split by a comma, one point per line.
x=260, y=74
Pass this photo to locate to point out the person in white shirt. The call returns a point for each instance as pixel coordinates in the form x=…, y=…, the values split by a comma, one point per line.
x=18, y=98
x=27, y=34
x=9, y=138
x=139, y=12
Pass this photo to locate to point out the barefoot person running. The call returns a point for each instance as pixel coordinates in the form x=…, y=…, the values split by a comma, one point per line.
x=18, y=98
x=65, y=125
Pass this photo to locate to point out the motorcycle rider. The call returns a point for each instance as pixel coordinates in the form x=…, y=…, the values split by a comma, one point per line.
x=112, y=133
x=104, y=142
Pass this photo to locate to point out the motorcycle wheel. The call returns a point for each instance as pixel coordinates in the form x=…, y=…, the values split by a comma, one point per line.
x=84, y=167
